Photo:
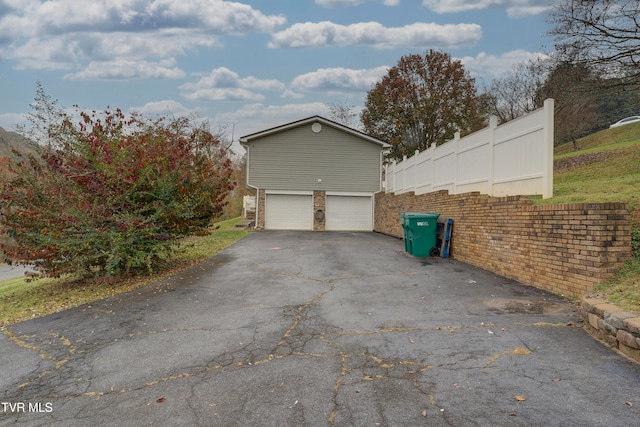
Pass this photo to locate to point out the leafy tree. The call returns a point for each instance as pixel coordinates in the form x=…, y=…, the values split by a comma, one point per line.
x=421, y=101
x=110, y=194
x=603, y=34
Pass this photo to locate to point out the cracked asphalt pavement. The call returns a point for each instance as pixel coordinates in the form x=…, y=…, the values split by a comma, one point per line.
x=317, y=329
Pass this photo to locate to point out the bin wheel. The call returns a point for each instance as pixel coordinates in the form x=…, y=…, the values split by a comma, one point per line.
x=434, y=251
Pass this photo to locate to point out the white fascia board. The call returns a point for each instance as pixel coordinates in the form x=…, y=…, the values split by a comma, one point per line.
x=290, y=192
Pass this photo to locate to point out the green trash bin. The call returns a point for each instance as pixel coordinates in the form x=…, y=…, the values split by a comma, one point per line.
x=405, y=231
x=405, y=216
x=421, y=234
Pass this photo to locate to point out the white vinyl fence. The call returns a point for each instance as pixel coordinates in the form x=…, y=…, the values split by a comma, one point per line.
x=248, y=205
x=515, y=158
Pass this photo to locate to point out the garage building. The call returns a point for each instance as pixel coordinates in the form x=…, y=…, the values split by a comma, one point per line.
x=314, y=174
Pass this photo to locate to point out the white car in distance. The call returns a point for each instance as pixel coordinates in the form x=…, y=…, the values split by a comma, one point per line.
x=625, y=121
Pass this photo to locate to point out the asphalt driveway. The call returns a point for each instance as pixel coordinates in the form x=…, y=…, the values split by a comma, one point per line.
x=8, y=272
x=297, y=328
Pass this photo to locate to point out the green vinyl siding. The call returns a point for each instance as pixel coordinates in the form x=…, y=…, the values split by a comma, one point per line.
x=296, y=158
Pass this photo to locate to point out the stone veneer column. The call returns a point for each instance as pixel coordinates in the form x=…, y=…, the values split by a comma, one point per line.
x=319, y=197
x=261, y=204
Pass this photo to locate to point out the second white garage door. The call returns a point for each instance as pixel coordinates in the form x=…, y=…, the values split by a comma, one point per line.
x=353, y=213
x=289, y=212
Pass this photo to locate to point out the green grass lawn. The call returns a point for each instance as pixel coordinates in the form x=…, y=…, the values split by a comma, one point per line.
x=602, y=140
x=614, y=178
x=21, y=300
x=624, y=289
x=606, y=169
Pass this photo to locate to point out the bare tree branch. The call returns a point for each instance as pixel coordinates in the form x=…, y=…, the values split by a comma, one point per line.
x=600, y=33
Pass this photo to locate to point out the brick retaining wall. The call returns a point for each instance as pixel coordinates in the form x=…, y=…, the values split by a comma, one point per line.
x=565, y=248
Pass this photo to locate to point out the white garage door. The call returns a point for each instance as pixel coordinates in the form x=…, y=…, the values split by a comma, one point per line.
x=354, y=213
x=289, y=212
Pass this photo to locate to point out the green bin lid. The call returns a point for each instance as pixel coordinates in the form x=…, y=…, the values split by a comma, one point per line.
x=429, y=215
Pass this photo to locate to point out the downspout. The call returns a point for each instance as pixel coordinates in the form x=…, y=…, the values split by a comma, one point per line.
x=246, y=147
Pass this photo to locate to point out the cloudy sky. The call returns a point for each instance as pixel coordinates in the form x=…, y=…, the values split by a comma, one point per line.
x=250, y=65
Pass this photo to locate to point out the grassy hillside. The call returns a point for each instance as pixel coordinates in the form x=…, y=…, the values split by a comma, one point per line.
x=603, y=140
x=606, y=169
x=9, y=140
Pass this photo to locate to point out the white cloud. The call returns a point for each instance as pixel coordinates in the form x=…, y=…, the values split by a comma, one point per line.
x=34, y=18
x=56, y=53
x=128, y=70
x=514, y=8
x=73, y=50
x=223, y=17
x=61, y=34
x=259, y=84
x=452, y=6
x=349, y=3
x=159, y=44
x=224, y=84
x=224, y=94
x=10, y=121
x=339, y=79
x=253, y=118
x=517, y=12
x=288, y=93
x=339, y=3
x=163, y=108
x=488, y=66
x=374, y=34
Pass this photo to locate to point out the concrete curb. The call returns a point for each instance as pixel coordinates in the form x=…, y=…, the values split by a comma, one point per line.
x=610, y=324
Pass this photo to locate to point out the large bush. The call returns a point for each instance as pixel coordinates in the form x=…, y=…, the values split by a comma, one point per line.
x=111, y=193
